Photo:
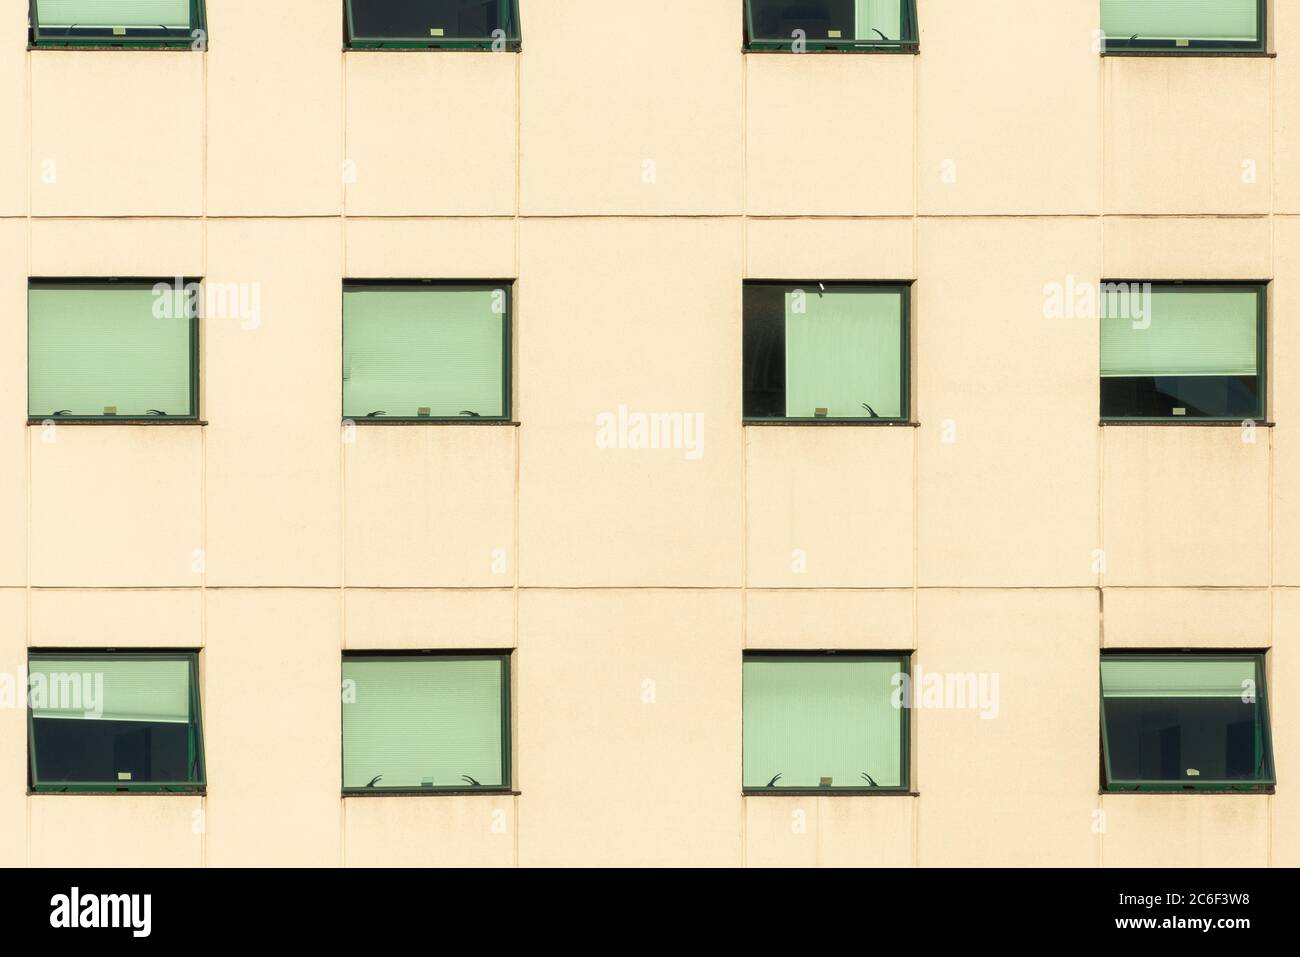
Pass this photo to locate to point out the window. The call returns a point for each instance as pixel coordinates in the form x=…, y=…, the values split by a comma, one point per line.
x=421, y=351
x=827, y=721
x=826, y=351
x=455, y=24
x=104, y=349
x=845, y=25
x=1185, y=721
x=114, y=721
x=426, y=722
x=167, y=23
x=1185, y=351
x=1183, y=25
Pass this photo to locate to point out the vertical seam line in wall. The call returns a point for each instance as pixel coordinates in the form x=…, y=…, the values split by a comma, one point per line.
x=913, y=349
x=343, y=449
x=27, y=802
x=516, y=338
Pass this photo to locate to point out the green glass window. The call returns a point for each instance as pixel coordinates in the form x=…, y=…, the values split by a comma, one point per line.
x=114, y=721
x=453, y=24
x=824, y=721
x=426, y=722
x=98, y=349
x=1182, y=351
x=422, y=351
x=844, y=25
x=1174, y=25
x=170, y=23
x=826, y=351
x=1180, y=720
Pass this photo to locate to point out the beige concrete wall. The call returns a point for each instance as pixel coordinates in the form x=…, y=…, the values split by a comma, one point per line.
x=630, y=188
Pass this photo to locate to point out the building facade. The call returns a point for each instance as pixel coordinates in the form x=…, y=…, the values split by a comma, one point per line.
x=625, y=173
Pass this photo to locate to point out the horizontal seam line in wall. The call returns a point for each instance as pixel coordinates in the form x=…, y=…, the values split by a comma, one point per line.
x=497, y=217
x=754, y=588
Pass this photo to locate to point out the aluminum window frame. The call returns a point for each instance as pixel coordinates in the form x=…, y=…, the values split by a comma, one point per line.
x=1173, y=46
x=904, y=289
x=197, y=757
x=1260, y=287
x=510, y=44
x=195, y=36
x=507, y=350
x=904, y=787
x=507, y=745
x=193, y=417
x=909, y=43
x=1111, y=785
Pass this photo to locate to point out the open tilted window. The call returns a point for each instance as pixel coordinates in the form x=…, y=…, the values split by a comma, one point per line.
x=111, y=721
x=1179, y=720
x=824, y=721
x=424, y=351
x=1183, y=26
x=825, y=351
x=845, y=25
x=428, y=722
x=112, y=349
x=452, y=24
x=140, y=23
x=1185, y=351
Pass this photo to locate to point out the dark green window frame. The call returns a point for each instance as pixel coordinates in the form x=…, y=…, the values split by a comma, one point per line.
x=159, y=37
x=1112, y=46
x=106, y=283
x=904, y=291
x=506, y=286
x=501, y=655
x=909, y=42
x=512, y=41
x=1260, y=288
x=904, y=658
x=1268, y=777
x=198, y=773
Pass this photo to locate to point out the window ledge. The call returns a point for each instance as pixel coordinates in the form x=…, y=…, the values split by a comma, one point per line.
x=428, y=792
x=1192, y=792
x=1183, y=423
x=115, y=420
x=430, y=420
x=1192, y=53
x=73, y=790
x=852, y=423
x=906, y=50
x=827, y=792
x=178, y=47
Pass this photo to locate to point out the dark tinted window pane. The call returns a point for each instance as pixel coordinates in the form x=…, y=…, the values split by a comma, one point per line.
x=103, y=751
x=764, y=351
x=433, y=20
x=1234, y=397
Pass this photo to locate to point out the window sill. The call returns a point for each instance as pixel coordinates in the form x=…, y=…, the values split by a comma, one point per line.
x=872, y=423
x=431, y=420
x=74, y=789
x=427, y=792
x=1179, y=422
x=1185, y=52
x=450, y=46
x=1263, y=791
x=115, y=420
x=910, y=49
x=827, y=792
x=82, y=45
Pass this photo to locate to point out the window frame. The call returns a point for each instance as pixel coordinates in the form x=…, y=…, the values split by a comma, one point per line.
x=1260, y=287
x=507, y=745
x=507, y=350
x=904, y=787
x=190, y=655
x=1266, y=785
x=351, y=41
x=910, y=43
x=1193, y=47
x=110, y=282
x=170, y=41
x=904, y=417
